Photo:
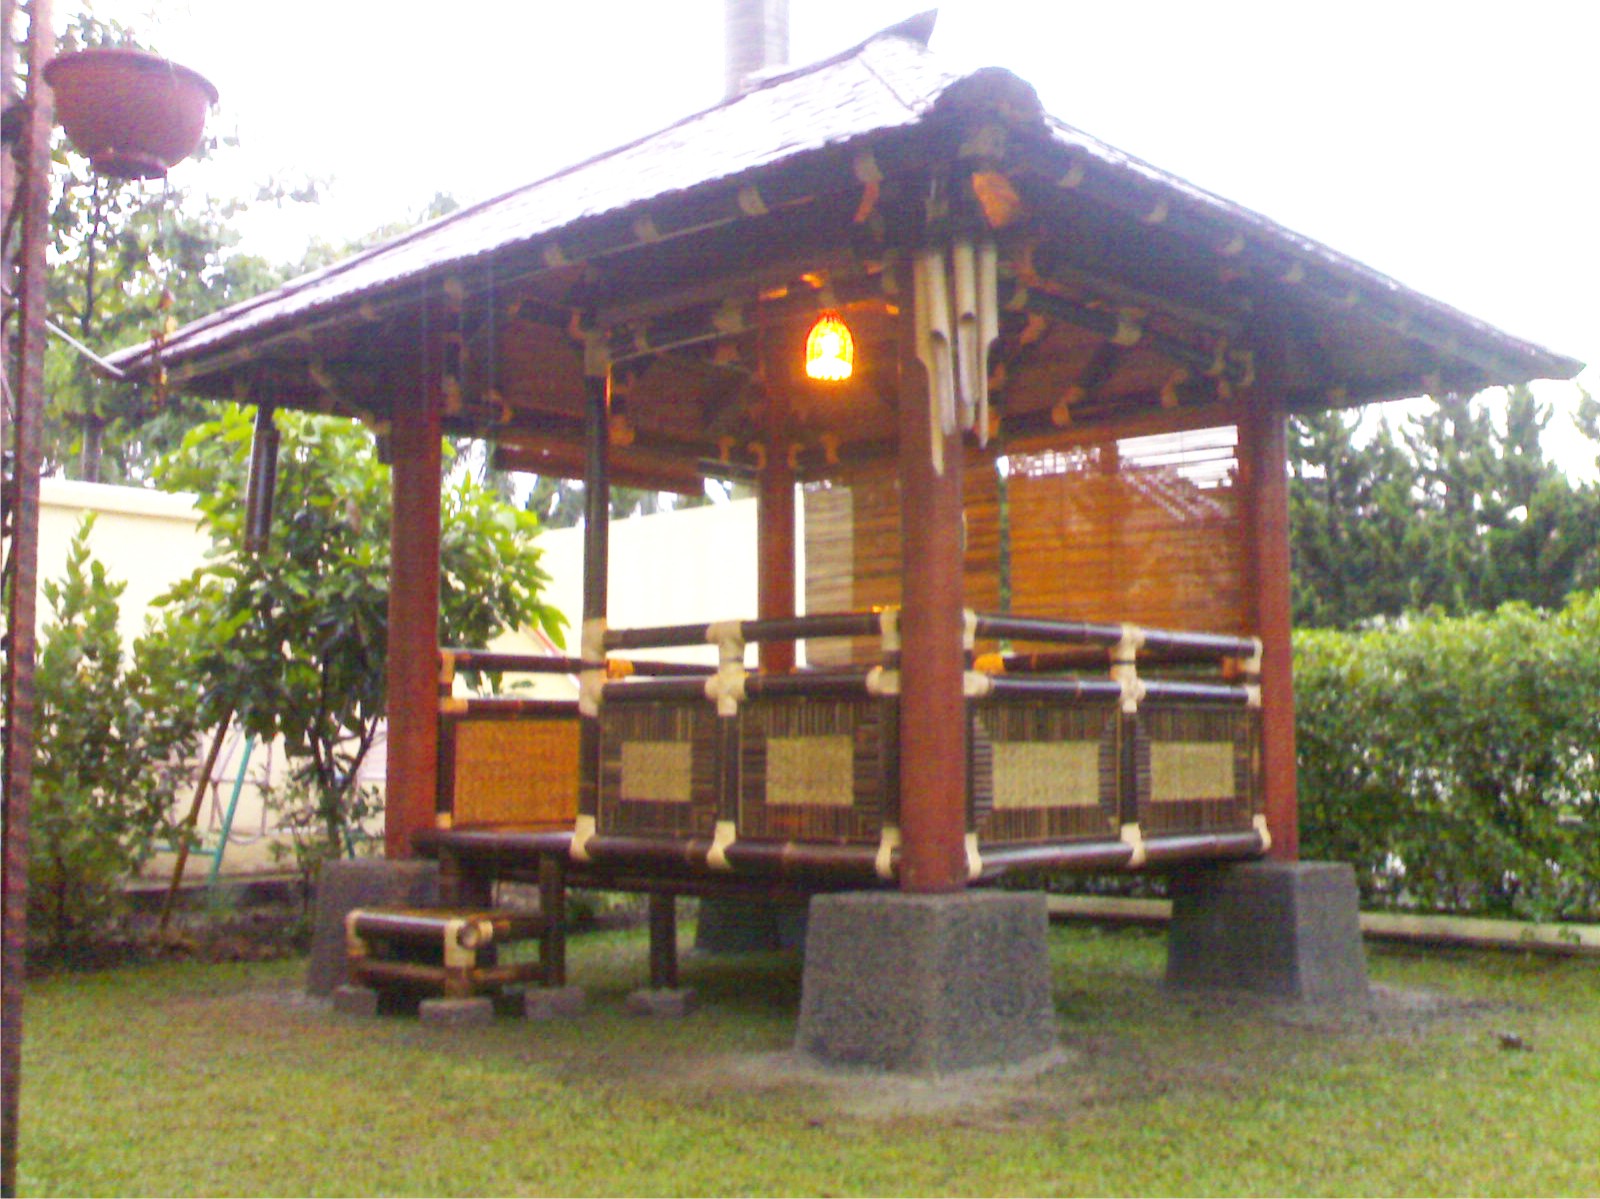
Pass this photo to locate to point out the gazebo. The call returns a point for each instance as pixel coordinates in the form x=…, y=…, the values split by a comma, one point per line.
x=1032, y=394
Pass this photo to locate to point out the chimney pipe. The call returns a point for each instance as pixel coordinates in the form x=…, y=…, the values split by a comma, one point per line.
x=757, y=38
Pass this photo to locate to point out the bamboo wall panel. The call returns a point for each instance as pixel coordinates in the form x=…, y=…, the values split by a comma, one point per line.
x=1145, y=530
x=1043, y=771
x=501, y=771
x=815, y=769
x=658, y=769
x=1198, y=769
x=852, y=528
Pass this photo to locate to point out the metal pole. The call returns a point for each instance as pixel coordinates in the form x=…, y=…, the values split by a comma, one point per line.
x=27, y=375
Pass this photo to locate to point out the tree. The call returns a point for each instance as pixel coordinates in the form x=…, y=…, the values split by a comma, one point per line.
x=292, y=639
x=1352, y=516
x=1462, y=513
x=131, y=259
x=113, y=741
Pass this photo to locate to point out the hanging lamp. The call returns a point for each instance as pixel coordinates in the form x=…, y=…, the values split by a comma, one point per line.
x=830, y=349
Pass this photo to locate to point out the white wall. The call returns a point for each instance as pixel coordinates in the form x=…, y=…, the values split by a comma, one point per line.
x=148, y=539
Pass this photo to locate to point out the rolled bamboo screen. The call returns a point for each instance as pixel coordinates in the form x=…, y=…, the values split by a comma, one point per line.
x=852, y=529
x=1144, y=530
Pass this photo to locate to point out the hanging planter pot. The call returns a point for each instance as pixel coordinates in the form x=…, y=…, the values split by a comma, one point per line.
x=134, y=114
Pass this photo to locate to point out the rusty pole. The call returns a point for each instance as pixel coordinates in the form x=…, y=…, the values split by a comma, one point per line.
x=933, y=743
x=25, y=379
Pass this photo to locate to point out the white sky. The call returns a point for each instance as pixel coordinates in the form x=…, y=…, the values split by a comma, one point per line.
x=1452, y=145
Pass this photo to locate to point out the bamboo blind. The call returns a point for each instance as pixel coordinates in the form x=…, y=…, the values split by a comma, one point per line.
x=1143, y=529
x=852, y=529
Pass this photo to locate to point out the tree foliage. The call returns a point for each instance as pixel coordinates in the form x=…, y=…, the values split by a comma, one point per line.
x=293, y=639
x=1459, y=512
x=113, y=738
x=131, y=259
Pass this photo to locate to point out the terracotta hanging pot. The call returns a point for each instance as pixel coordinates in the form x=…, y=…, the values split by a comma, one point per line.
x=134, y=114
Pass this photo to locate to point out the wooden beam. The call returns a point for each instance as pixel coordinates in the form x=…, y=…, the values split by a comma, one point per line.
x=933, y=743
x=775, y=532
x=415, y=478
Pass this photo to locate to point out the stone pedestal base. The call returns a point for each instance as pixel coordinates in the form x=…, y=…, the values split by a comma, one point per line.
x=352, y=1000
x=356, y=883
x=1286, y=930
x=927, y=984
x=553, y=1003
x=670, y=1002
x=479, y=1009
x=748, y=926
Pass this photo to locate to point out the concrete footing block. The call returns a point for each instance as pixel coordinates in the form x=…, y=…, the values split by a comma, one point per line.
x=352, y=1000
x=671, y=1003
x=553, y=1003
x=479, y=1009
x=927, y=984
x=1284, y=930
x=353, y=883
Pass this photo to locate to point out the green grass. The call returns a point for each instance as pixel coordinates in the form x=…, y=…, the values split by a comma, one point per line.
x=188, y=1079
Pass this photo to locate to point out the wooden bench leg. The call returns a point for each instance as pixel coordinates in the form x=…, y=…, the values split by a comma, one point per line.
x=461, y=886
x=553, y=907
x=663, y=942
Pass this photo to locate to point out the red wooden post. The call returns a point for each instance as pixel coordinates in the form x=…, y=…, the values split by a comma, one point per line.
x=1264, y=454
x=416, y=442
x=775, y=584
x=933, y=743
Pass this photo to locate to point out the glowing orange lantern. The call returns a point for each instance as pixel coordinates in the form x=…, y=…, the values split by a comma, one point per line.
x=830, y=349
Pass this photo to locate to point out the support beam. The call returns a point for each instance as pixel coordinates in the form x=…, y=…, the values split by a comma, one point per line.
x=933, y=744
x=1264, y=459
x=775, y=583
x=596, y=576
x=416, y=441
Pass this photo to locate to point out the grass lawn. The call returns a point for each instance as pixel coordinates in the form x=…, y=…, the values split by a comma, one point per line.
x=203, y=1079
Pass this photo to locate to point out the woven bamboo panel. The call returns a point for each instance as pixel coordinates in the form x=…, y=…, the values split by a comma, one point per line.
x=815, y=769
x=658, y=769
x=1043, y=771
x=1144, y=530
x=512, y=771
x=852, y=528
x=1198, y=769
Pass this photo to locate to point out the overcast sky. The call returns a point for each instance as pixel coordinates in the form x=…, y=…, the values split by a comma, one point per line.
x=1451, y=145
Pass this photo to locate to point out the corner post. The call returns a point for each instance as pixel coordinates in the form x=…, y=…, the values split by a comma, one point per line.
x=933, y=741
x=1264, y=455
x=416, y=440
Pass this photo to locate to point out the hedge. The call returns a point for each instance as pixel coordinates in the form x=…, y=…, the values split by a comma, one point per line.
x=1453, y=761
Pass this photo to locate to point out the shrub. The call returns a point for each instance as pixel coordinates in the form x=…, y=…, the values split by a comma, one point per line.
x=111, y=745
x=1453, y=760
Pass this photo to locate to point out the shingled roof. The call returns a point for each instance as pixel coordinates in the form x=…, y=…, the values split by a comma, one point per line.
x=850, y=120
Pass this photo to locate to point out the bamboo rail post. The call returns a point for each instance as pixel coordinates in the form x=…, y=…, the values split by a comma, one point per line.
x=190, y=820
